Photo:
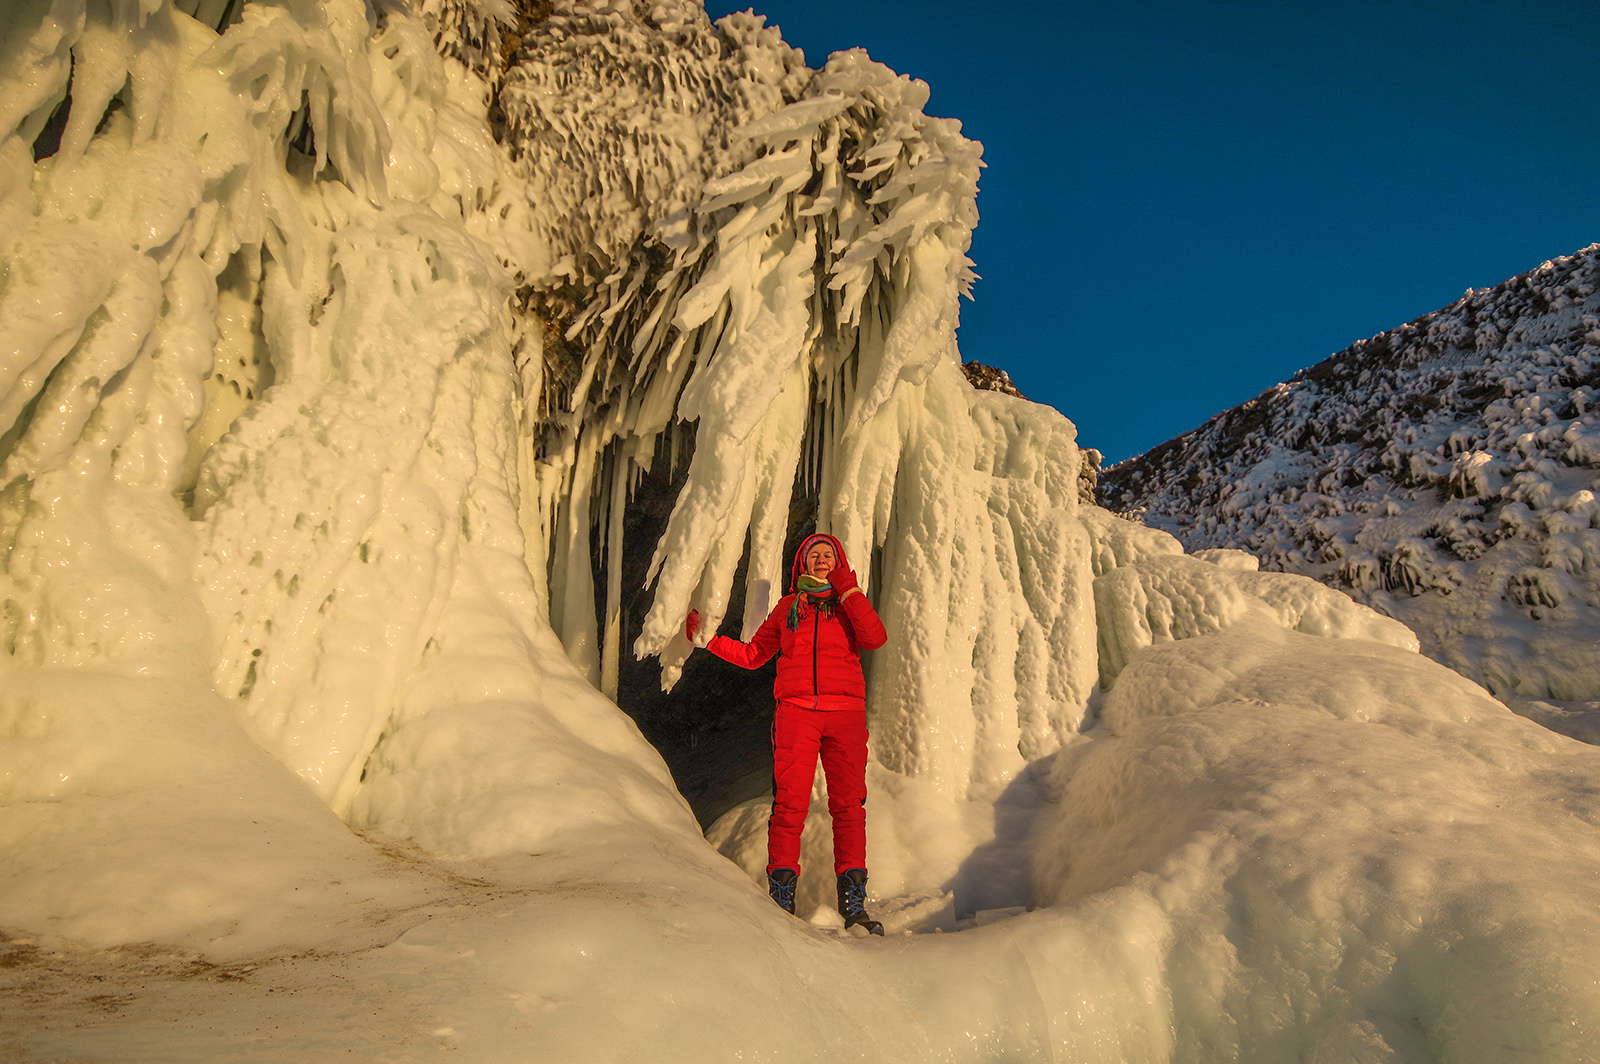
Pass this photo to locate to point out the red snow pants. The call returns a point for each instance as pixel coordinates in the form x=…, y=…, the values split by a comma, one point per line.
x=799, y=734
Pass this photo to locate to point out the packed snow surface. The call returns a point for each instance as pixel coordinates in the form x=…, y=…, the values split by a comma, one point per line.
x=333, y=339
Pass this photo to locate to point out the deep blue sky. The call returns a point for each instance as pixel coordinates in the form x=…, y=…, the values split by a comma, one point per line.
x=1187, y=202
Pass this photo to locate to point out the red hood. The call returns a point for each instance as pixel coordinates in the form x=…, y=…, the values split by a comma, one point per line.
x=800, y=555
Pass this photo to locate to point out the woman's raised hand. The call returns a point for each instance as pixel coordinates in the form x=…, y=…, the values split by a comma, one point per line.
x=842, y=579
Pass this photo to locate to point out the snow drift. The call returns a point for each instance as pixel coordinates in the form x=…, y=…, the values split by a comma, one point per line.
x=318, y=400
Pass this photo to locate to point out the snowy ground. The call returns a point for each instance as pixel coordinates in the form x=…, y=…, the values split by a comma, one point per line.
x=1261, y=860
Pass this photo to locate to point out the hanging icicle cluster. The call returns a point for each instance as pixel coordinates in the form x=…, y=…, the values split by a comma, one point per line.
x=763, y=250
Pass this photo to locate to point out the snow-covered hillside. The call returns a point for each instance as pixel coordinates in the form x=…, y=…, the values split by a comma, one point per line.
x=338, y=343
x=1444, y=472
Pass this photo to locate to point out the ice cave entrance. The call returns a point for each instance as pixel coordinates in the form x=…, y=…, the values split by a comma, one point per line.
x=713, y=729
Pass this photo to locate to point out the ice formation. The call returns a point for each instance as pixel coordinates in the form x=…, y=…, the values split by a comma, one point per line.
x=1444, y=473
x=317, y=402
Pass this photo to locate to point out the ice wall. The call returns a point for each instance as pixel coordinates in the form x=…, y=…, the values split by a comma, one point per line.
x=116, y=743
x=259, y=466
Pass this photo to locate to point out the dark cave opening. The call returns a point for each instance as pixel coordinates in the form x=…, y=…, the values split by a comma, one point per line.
x=713, y=728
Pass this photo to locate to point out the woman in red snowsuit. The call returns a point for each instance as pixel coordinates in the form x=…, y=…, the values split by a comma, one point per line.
x=819, y=631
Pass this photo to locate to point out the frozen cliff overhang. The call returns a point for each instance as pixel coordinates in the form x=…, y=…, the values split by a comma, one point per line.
x=765, y=261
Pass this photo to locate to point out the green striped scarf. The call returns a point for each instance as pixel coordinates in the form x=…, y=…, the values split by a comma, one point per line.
x=820, y=592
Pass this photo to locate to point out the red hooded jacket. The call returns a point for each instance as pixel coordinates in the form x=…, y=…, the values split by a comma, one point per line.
x=820, y=666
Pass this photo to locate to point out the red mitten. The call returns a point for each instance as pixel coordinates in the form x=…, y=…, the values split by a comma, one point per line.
x=691, y=625
x=842, y=579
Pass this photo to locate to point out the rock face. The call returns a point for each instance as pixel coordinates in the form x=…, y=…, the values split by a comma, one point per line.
x=990, y=378
x=1443, y=472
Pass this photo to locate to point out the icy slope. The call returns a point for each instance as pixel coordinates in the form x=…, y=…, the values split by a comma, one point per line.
x=319, y=403
x=1444, y=472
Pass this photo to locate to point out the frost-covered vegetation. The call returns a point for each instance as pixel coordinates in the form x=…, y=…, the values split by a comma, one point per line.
x=334, y=338
x=1444, y=473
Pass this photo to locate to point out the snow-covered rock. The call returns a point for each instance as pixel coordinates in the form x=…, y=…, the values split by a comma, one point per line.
x=1444, y=473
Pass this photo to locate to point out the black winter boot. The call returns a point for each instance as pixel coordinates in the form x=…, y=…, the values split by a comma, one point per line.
x=781, y=883
x=853, y=900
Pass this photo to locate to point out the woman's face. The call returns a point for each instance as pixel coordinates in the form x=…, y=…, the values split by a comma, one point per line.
x=820, y=560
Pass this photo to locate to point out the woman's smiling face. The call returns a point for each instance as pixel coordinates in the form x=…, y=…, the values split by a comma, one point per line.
x=820, y=560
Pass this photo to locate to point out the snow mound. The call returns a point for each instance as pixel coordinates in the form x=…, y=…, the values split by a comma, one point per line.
x=1328, y=829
